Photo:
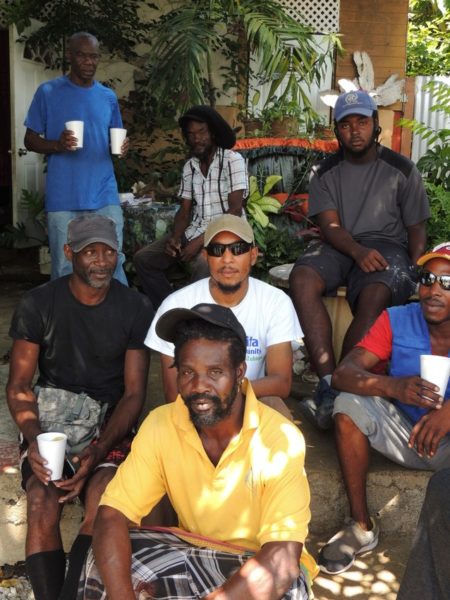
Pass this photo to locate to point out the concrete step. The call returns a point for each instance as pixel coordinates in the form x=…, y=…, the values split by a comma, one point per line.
x=395, y=494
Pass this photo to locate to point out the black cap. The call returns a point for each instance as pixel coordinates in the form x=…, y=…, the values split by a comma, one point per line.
x=224, y=135
x=167, y=325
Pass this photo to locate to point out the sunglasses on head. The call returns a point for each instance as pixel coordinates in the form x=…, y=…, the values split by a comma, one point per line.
x=236, y=248
x=428, y=279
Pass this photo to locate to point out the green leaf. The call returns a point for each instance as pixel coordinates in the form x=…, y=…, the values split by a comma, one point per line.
x=271, y=181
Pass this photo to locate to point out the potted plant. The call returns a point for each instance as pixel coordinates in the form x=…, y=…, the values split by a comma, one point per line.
x=250, y=116
x=33, y=230
x=322, y=131
x=281, y=117
x=435, y=163
x=286, y=116
x=33, y=202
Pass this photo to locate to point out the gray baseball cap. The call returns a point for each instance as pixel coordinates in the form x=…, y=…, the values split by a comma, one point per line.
x=89, y=229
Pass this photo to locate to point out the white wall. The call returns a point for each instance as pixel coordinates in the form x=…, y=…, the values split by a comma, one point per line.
x=424, y=100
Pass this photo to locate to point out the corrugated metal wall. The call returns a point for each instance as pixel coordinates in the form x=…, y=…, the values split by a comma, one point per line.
x=424, y=100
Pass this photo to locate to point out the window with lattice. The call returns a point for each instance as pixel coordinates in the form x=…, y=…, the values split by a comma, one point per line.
x=321, y=15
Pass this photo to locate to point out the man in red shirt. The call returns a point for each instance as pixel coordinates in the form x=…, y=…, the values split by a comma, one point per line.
x=399, y=414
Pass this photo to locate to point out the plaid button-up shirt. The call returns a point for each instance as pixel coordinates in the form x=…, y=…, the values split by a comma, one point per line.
x=209, y=195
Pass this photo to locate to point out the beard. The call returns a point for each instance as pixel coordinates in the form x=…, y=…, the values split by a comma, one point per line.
x=221, y=408
x=363, y=151
x=229, y=289
x=86, y=276
x=360, y=153
x=204, y=154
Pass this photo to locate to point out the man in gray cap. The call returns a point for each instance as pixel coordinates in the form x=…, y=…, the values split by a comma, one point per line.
x=371, y=207
x=85, y=332
x=234, y=471
x=214, y=182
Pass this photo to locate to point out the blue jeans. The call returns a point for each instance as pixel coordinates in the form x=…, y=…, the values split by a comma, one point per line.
x=57, y=223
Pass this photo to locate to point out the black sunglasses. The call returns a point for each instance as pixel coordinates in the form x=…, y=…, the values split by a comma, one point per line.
x=428, y=279
x=236, y=248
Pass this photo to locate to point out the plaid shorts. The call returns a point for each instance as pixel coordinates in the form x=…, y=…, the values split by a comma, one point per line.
x=165, y=567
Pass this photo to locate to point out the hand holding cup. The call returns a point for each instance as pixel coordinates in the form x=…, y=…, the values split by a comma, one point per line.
x=77, y=130
x=52, y=448
x=118, y=136
x=436, y=370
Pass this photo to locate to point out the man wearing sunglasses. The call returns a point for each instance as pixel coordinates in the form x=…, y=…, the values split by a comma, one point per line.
x=266, y=313
x=398, y=413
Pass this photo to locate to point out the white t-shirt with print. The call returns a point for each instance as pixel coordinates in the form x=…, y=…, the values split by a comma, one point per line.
x=266, y=313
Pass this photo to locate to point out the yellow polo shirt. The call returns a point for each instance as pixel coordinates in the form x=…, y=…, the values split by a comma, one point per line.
x=257, y=493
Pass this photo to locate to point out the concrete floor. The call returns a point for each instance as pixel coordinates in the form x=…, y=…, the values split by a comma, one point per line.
x=395, y=493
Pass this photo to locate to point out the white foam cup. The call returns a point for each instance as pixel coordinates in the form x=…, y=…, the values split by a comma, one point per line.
x=117, y=136
x=78, y=129
x=435, y=369
x=52, y=447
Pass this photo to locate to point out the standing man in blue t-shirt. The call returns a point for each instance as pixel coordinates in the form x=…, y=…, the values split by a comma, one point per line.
x=79, y=181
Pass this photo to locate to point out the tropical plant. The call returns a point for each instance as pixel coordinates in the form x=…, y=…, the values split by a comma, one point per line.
x=132, y=168
x=281, y=246
x=260, y=204
x=438, y=225
x=192, y=37
x=33, y=204
x=116, y=23
x=435, y=164
x=428, y=51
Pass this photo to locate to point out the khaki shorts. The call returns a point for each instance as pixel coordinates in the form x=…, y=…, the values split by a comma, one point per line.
x=388, y=429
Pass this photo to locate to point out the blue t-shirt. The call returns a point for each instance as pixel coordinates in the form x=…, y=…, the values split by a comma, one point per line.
x=83, y=179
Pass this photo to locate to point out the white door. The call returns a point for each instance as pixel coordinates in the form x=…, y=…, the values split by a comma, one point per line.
x=27, y=167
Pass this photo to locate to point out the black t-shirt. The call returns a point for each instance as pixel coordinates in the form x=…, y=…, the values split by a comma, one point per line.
x=82, y=347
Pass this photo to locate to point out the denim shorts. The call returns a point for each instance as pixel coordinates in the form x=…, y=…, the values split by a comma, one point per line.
x=337, y=269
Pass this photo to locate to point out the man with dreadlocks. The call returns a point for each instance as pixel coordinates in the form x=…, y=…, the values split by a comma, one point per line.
x=214, y=182
x=371, y=208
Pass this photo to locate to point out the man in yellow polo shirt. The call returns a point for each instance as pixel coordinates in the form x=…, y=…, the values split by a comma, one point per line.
x=233, y=469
